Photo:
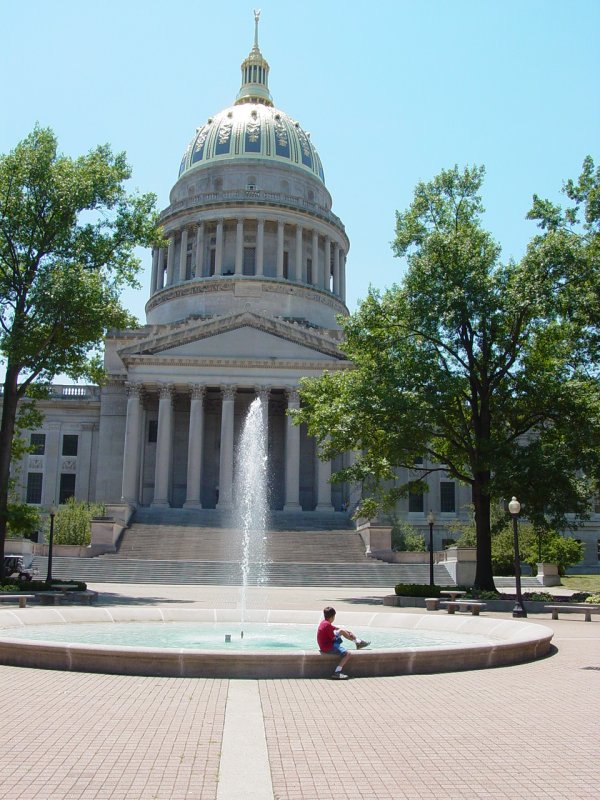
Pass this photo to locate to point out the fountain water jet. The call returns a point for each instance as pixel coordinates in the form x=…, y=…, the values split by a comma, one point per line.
x=250, y=493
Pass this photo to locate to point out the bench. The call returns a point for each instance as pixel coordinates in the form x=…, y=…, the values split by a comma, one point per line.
x=453, y=593
x=22, y=598
x=474, y=606
x=584, y=608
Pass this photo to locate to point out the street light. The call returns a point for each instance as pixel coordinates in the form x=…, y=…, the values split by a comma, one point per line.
x=514, y=508
x=430, y=520
x=50, y=546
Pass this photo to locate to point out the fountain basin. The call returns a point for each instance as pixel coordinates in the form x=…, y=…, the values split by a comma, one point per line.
x=507, y=642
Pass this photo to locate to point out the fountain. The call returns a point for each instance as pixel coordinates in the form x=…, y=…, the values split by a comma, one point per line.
x=197, y=642
x=250, y=494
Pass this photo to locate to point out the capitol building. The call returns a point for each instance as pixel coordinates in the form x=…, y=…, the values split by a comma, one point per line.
x=244, y=301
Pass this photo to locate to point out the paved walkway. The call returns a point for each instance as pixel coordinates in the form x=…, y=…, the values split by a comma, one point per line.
x=529, y=731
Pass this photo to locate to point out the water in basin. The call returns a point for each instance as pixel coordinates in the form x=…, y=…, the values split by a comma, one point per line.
x=211, y=636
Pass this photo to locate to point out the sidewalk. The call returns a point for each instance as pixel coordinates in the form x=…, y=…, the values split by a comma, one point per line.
x=528, y=731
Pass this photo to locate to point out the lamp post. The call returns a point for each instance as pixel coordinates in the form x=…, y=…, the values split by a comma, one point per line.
x=430, y=520
x=514, y=508
x=50, y=546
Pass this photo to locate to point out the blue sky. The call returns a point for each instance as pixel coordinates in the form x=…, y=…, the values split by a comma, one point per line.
x=392, y=92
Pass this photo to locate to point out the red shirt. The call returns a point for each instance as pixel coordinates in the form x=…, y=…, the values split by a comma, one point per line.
x=325, y=635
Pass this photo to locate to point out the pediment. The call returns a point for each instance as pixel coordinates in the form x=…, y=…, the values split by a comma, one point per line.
x=241, y=335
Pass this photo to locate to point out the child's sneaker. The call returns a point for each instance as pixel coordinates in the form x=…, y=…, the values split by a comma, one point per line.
x=361, y=644
x=339, y=676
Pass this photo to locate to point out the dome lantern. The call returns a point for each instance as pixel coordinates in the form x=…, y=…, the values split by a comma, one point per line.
x=255, y=74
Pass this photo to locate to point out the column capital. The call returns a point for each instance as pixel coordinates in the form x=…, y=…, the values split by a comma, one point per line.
x=197, y=391
x=293, y=396
x=134, y=389
x=166, y=391
x=228, y=392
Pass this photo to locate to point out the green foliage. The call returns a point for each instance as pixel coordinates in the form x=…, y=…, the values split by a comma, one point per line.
x=23, y=520
x=472, y=363
x=539, y=597
x=68, y=233
x=417, y=590
x=482, y=594
x=593, y=598
x=72, y=521
x=14, y=585
x=406, y=539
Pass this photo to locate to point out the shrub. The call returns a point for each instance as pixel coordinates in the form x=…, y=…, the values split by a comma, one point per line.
x=14, y=585
x=593, y=598
x=406, y=538
x=544, y=597
x=72, y=521
x=417, y=590
x=476, y=594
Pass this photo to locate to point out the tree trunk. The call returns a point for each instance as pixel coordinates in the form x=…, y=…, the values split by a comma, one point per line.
x=484, y=577
x=7, y=431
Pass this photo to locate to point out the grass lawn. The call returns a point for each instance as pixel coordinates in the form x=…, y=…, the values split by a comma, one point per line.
x=583, y=583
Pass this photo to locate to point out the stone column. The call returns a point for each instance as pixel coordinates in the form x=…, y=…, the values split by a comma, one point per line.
x=195, y=441
x=327, y=265
x=160, y=272
x=171, y=259
x=154, y=276
x=315, y=260
x=183, y=256
x=199, y=268
x=260, y=247
x=323, y=486
x=298, y=266
x=219, y=249
x=51, y=479
x=292, y=456
x=226, y=457
x=84, y=462
x=132, y=450
x=239, y=247
x=164, y=447
x=336, y=268
x=280, y=237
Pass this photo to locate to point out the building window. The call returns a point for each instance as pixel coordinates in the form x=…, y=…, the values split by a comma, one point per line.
x=415, y=503
x=34, y=487
x=447, y=497
x=153, y=431
x=212, y=261
x=249, y=262
x=69, y=446
x=286, y=264
x=37, y=442
x=67, y=487
x=309, y=270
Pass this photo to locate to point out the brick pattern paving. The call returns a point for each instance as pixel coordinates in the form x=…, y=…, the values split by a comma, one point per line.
x=517, y=732
x=76, y=736
x=525, y=732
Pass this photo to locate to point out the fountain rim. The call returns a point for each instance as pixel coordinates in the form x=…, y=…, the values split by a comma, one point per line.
x=512, y=642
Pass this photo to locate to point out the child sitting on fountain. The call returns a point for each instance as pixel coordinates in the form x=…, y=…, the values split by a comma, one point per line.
x=329, y=639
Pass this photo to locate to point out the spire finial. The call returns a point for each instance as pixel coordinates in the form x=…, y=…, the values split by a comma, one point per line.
x=256, y=19
x=255, y=74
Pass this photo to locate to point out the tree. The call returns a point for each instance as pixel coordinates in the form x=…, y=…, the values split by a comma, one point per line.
x=68, y=229
x=470, y=364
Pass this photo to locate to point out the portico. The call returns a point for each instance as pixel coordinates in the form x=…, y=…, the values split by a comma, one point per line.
x=180, y=448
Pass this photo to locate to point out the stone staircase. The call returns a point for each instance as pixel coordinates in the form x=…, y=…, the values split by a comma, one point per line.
x=180, y=546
